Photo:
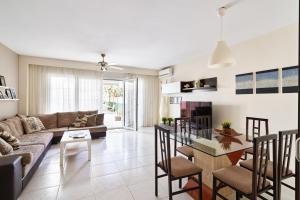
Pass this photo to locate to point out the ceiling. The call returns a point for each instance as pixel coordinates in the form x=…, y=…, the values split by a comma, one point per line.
x=141, y=33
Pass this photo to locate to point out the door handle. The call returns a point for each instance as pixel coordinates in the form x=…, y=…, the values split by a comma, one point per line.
x=298, y=150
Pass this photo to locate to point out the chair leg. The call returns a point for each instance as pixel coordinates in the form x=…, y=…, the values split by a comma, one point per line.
x=214, y=195
x=237, y=195
x=200, y=186
x=170, y=188
x=180, y=183
x=156, y=181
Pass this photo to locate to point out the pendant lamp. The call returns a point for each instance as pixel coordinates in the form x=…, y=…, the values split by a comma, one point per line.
x=222, y=55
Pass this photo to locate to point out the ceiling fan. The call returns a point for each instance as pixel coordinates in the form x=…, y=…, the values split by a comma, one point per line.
x=104, y=66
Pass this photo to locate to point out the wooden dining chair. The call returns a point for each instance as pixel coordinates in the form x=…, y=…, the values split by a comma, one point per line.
x=175, y=168
x=284, y=158
x=254, y=128
x=184, y=125
x=250, y=184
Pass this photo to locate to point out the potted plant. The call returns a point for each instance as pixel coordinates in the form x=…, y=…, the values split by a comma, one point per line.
x=226, y=127
x=170, y=120
x=164, y=120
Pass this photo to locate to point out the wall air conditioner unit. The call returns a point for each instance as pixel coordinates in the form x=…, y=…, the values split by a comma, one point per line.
x=166, y=72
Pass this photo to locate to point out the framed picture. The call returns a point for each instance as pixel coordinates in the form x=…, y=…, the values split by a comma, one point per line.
x=13, y=93
x=8, y=93
x=1, y=95
x=244, y=83
x=290, y=79
x=267, y=81
x=2, y=81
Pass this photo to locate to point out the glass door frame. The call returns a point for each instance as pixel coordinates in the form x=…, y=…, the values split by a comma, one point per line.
x=135, y=128
x=113, y=79
x=297, y=163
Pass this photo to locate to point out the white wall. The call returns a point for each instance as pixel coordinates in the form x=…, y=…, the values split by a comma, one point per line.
x=9, y=69
x=273, y=50
x=25, y=61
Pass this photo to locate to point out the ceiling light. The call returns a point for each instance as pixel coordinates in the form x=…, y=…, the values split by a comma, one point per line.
x=222, y=55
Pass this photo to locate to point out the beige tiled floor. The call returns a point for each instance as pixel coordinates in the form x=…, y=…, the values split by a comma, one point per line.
x=122, y=168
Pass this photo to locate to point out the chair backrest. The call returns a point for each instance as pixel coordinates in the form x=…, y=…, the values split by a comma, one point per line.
x=162, y=136
x=203, y=122
x=254, y=127
x=260, y=163
x=184, y=123
x=185, y=127
x=284, y=151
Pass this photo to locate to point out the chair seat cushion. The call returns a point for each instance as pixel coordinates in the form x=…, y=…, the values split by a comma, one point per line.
x=237, y=177
x=248, y=164
x=181, y=167
x=186, y=150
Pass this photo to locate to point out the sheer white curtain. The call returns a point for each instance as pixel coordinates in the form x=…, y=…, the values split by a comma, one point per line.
x=148, y=100
x=57, y=89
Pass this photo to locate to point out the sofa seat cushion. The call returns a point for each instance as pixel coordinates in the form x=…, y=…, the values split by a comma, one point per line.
x=66, y=119
x=57, y=132
x=49, y=120
x=36, y=138
x=34, y=150
x=15, y=125
x=92, y=129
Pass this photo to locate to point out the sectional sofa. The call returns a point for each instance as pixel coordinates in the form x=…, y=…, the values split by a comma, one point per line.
x=17, y=168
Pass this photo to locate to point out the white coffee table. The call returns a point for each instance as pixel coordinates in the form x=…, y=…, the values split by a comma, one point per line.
x=66, y=138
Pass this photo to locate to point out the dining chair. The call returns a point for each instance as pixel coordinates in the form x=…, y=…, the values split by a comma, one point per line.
x=175, y=168
x=284, y=158
x=184, y=125
x=250, y=184
x=254, y=128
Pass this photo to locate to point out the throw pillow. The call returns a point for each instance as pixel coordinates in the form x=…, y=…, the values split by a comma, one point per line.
x=32, y=124
x=80, y=122
x=99, y=119
x=5, y=148
x=91, y=120
x=12, y=140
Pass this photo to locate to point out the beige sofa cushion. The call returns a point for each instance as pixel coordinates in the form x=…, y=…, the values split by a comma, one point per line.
x=10, y=139
x=36, y=138
x=4, y=127
x=15, y=126
x=49, y=120
x=100, y=119
x=90, y=112
x=66, y=119
x=5, y=148
x=91, y=120
x=92, y=129
x=32, y=124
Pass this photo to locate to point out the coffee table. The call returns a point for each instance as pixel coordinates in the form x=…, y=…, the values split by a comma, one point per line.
x=67, y=138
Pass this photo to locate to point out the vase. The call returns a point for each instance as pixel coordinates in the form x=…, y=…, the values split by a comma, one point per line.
x=227, y=131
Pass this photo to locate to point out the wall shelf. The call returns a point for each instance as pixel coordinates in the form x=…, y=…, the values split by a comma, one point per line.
x=9, y=99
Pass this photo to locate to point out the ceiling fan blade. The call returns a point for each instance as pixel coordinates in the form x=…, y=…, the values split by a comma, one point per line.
x=115, y=67
x=232, y=3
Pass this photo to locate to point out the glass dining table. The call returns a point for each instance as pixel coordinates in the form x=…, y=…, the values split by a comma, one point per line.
x=212, y=150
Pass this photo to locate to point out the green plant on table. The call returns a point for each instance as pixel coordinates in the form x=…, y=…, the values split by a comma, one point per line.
x=226, y=124
x=164, y=120
x=170, y=120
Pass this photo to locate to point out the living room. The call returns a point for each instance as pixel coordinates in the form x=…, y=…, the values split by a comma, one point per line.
x=88, y=88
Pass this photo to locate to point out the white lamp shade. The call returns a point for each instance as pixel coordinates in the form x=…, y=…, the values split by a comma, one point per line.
x=222, y=56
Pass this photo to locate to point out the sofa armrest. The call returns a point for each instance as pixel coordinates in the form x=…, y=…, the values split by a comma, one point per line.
x=11, y=177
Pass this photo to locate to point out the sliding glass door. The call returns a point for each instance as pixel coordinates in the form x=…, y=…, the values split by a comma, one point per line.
x=130, y=103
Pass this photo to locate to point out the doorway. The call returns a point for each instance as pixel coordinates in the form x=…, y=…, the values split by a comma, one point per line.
x=113, y=103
